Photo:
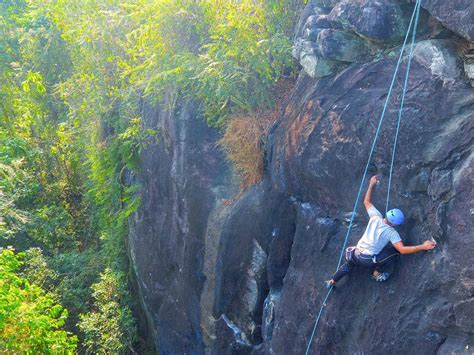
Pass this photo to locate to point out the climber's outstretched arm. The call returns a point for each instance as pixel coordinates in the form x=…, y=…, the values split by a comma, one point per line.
x=368, y=195
x=403, y=249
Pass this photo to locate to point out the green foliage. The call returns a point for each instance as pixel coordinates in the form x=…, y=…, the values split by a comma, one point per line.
x=53, y=227
x=110, y=327
x=73, y=76
x=11, y=218
x=68, y=275
x=243, y=58
x=76, y=272
x=37, y=270
x=228, y=54
x=43, y=176
x=30, y=318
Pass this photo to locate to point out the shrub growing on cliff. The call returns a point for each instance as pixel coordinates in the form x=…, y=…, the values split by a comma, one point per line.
x=245, y=54
x=243, y=144
x=245, y=138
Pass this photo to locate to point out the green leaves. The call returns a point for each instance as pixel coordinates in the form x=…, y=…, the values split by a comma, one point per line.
x=42, y=173
x=35, y=80
x=30, y=320
x=12, y=218
x=242, y=58
x=110, y=327
x=227, y=54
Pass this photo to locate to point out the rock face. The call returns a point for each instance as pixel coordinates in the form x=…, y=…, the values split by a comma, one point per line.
x=248, y=277
x=454, y=14
x=171, y=239
x=348, y=32
x=322, y=167
x=332, y=34
x=382, y=20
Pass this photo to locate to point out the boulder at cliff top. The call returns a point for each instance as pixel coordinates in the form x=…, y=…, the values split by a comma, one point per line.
x=376, y=19
x=457, y=15
x=342, y=46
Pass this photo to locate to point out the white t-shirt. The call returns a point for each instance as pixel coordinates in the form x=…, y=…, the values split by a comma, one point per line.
x=377, y=234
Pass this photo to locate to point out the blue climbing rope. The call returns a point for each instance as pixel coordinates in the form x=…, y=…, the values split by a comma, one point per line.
x=414, y=19
x=402, y=102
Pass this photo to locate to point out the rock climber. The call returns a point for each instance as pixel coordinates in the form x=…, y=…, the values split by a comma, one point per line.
x=380, y=245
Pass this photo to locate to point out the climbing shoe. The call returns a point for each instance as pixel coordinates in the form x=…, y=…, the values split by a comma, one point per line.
x=381, y=277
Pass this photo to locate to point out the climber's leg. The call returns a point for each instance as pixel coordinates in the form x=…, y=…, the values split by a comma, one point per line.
x=353, y=259
x=385, y=263
x=343, y=270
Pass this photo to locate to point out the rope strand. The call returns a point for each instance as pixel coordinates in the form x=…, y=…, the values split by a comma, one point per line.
x=402, y=102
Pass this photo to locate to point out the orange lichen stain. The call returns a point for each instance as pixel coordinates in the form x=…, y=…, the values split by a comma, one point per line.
x=334, y=134
x=336, y=124
x=289, y=110
x=300, y=129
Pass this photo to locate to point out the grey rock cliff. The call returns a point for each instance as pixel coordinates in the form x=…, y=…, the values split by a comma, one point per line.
x=247, y=277
x=417, y=308
x=172, y=238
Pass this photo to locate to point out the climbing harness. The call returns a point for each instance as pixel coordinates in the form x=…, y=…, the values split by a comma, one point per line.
x=413, y=23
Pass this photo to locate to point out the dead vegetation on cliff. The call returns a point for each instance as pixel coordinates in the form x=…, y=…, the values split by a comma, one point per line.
x=245, y=138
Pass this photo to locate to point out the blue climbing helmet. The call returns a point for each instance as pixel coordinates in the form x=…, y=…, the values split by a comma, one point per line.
x=395, y=216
